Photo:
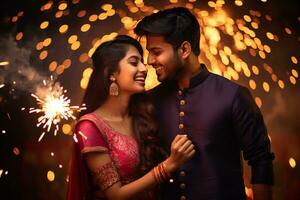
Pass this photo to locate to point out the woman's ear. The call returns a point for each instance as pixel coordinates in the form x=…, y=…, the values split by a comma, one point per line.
x=185, y=49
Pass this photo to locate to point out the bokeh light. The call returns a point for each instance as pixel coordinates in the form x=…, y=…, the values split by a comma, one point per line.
x=248, y=42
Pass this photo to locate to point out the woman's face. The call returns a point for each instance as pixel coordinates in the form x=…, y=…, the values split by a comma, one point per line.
x=132, y=72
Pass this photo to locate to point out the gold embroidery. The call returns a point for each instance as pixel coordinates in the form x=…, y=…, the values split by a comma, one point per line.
x=106, y=175
x=128, y=147
x=123, y=150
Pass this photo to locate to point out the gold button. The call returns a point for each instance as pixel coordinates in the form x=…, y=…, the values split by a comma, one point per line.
x=180, y=92
x=182, y=198
x=181, y=114
x=182, y=102
x=182, y=186
x=182, y=173
x=181, y=126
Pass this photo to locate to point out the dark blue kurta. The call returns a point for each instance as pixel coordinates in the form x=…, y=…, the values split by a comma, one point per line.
x=222, y=119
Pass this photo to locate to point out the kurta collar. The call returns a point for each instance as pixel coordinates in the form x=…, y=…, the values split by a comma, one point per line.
x=195, y=81
x=200, y=77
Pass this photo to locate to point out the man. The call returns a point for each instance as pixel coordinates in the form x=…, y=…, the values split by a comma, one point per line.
x=219, y=116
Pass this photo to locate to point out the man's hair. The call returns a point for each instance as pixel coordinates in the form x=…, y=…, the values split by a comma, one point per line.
x=176, y=25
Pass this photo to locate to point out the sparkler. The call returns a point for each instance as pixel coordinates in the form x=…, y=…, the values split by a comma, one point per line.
x=53, y=105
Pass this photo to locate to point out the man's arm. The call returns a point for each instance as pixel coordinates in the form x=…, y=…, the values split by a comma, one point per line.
x=254, y=142
x=262, y=192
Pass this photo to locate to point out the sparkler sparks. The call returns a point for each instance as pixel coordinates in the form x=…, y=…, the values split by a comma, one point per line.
x=4, y=63
x=80, y=133
x=54, y=106
x=240, y=40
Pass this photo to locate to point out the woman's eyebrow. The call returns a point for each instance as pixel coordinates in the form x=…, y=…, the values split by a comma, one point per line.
x=136, y=57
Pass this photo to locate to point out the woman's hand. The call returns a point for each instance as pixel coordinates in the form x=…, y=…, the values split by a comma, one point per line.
x=182, y=150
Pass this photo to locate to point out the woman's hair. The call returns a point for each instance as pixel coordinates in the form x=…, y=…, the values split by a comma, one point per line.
x=176, y=25
x=106, y=61
x=145, y=125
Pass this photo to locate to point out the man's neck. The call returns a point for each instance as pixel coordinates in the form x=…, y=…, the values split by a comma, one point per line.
x=191, y=69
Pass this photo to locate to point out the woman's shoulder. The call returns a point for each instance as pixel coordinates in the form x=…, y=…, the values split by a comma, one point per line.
x=87, y=116
x=89, y=120
x=92, y=125
x=92, y=117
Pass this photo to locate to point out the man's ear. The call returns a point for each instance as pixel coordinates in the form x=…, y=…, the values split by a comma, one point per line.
x=185, y=49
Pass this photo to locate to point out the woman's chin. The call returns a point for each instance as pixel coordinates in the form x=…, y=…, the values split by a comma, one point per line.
x=140, y=89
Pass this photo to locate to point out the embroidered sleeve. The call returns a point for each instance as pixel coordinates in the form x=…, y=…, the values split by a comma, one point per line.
x=106, y=175
x=89, y=138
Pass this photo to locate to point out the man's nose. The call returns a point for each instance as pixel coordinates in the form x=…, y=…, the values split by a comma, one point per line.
x=150, y=60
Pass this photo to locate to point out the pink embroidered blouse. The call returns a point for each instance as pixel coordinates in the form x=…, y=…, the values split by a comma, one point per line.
x=95, y=135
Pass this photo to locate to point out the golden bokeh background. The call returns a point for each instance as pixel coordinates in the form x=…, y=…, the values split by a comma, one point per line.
x=253, y=43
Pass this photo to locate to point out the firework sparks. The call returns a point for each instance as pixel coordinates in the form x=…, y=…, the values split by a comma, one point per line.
x=4, y=63
x=75, y=138
x=84, y=136
x=41, y=136
x=54, y=106
x=8, y=115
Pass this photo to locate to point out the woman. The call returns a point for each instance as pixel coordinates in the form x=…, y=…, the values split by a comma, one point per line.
x=116, y=141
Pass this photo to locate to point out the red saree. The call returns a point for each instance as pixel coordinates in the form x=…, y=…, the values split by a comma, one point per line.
x=95, y=135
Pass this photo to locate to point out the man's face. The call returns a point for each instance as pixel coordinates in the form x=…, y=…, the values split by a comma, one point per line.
x=163, y=58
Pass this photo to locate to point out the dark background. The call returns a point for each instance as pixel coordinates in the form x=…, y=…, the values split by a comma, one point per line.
x=24, y=162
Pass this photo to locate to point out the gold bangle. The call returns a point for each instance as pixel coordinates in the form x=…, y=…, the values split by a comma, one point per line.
x=161, y=178
x=156, y=175
x=162, y=171
x=165, y=170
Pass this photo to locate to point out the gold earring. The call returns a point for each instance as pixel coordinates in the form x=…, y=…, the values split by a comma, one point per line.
x=113, y=88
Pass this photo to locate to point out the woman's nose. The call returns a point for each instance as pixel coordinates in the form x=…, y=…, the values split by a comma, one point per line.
x=143, y=68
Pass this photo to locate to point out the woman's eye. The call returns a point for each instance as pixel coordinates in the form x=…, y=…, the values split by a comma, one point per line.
x=134, y=63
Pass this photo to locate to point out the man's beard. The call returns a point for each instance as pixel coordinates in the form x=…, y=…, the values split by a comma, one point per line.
x=179, y=69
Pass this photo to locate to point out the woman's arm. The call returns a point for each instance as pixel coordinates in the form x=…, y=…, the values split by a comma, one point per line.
x=181, y=150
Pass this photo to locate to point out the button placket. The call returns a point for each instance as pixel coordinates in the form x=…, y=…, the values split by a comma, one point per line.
x=181, y=127
x=181, y=113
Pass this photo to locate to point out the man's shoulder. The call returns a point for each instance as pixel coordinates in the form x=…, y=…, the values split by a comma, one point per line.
x=224, y=82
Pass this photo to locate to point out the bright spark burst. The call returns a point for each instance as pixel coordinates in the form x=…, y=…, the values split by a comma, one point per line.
x=53, y=105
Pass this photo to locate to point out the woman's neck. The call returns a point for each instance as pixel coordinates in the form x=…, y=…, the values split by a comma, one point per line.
x=115, y=108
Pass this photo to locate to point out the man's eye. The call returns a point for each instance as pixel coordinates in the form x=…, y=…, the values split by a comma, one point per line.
x=156, y=53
